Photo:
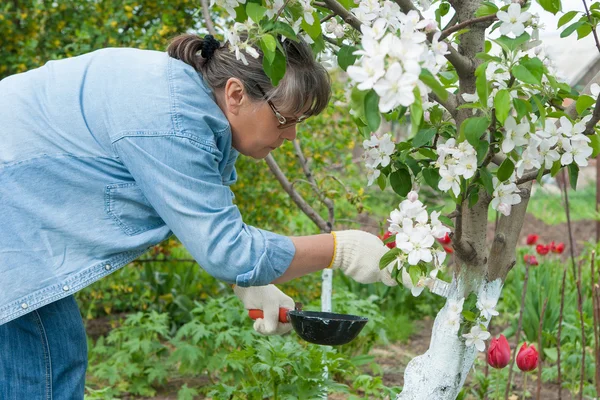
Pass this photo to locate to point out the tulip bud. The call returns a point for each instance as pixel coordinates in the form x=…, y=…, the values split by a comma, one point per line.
x=559, y=248
x=391, y=244
x=498, y=354
x=448, y=249
x=445, y=240
x=531, y=260
x=532, y=239
x=527, y=358
x=542, y=250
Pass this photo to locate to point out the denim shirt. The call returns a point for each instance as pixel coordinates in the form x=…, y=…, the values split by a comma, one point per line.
x=105, y=155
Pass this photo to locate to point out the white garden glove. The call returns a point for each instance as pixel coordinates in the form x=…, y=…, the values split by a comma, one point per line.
x=268, y=299
x=357, y=254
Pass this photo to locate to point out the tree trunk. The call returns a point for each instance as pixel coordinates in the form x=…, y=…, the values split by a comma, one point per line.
x=441, y=372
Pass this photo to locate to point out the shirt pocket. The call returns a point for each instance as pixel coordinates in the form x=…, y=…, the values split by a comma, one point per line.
x=129, y=208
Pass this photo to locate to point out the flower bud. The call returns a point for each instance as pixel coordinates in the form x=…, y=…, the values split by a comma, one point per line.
x=532, y=239
x=559, y=248
x=542, y=250
x=412, y=196
x=498, y=354
x=527, y=358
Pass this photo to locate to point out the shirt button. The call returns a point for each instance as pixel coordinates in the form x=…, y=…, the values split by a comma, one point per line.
x=66, y=288
x=107, y=267
x=24, y=306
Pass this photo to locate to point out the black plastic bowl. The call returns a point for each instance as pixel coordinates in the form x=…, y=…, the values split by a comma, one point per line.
x=326, y=328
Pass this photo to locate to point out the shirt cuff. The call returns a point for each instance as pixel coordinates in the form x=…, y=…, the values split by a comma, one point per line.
x=275, y=260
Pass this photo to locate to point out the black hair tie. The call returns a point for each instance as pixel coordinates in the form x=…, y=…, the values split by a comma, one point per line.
x=209, y=46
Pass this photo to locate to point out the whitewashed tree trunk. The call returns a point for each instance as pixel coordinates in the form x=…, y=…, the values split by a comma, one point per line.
x=441, y=372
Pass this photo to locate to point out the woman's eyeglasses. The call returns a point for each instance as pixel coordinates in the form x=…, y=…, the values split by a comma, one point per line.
x=283, y=121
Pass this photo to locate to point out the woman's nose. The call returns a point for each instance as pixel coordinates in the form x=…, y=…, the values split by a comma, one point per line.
x=289, y=133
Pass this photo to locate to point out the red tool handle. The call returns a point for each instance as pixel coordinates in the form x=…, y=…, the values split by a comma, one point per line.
x=283, y=314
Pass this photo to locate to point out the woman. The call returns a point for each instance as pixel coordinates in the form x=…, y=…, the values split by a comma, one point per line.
x=104, y=155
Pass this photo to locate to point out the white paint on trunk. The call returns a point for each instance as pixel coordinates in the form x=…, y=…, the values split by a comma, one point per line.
x=326, y=290
x=440, y=373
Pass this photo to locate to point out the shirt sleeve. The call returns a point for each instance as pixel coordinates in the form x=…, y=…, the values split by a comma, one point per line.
x=180, y=177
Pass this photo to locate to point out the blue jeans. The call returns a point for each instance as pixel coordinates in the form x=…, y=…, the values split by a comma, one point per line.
x=43, y=354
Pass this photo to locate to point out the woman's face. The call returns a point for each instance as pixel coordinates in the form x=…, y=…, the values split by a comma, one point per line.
x=254, y=125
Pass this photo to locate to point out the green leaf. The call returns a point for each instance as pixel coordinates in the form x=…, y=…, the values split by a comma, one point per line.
x=551, y=353
x=389, y=257
x=535, y=66
x=509, y=44
x=275, y=70
x=433, y=83
x=482, y=149
x=284, y=29
x=524, y=75
x=573, y=174
x=382, y=181
x=415, y=274
x=268, y=44
x=556, y=166
x=473, y=198
x=595, y=144
x=423, y=137
x=583, y=102
x=314, y=30
x=540, y=108
x=584, y=30
x=474, y=128
x=486, y=8
x=446, y=221
x=482, y=86
x=255, y=11
x=401, y=181
x=432, y=177
x=372, y=113
x=486, y=179
x=505, y=170
x=566, y=18
x=502, y=103
x=416, y=112
x=552, y=6
x=469, y=315
x=571, y=28
x=346, y=57
x=522, y=107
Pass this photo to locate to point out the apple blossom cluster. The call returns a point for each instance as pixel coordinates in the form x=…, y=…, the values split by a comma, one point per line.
x=394, y=50
x=416, y=231
x=455, y=160
x=378, y=150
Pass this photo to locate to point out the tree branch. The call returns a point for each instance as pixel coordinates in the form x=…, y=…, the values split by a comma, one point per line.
x=450, y=104
x=589, y=127
x=295, y=196
x=347, y=16
x=464, y=24
x=529, y=176
x=207, y=19
x=311, y=179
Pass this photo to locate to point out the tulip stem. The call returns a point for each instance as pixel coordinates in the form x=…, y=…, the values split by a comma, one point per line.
x=540, y=348
x=498, y=378
x=518, y=332
x=524, y=385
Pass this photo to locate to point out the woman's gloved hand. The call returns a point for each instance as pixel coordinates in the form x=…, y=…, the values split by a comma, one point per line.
x=268, y=299
x=357, y=254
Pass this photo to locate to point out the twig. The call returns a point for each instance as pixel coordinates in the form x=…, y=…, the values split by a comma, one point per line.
x=587, y=12
x=518, y=333
x=311, y=179
x=458, y=27
x=596, y=318
x=207, y=19
x=540, y=340
x=589, y=127
x=295, y=196
x=340, y=10
x=558, y=334
x=327, y=17
x=529, y=176
x=453, y=21
x=569, y=227
x=580, y=308
x=449, y=104
x=281, y=9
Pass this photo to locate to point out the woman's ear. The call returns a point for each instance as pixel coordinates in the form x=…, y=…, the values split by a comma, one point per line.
x=234, y=95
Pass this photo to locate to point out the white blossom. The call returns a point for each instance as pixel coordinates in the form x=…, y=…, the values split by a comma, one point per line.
x=415, y=241
x=513, y=20
x=515, y=134
x=505, y=195
x=476, y=337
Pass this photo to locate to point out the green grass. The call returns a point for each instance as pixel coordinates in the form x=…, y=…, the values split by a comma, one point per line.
x=549, y=207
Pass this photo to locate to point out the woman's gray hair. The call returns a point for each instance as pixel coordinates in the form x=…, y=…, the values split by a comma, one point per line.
x=305, y=88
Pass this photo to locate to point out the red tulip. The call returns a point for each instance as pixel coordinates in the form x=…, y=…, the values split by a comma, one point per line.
x=448, y=249
x=445, y=240
x=532, y=239
x=391, y=244
x=530, y=259
x=559, y=248
x=498, y=354
x=542, y=250
x=527, y=358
